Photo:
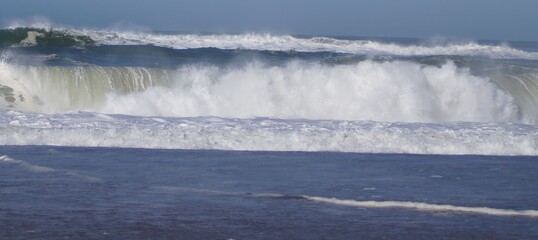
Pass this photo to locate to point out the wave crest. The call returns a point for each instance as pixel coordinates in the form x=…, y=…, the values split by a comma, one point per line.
x=25, y=37
x=315, y=44
x=264, y=42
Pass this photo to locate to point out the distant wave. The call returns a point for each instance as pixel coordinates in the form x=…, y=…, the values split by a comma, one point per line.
x=25, y=37
x=269, y=42
x=290, y=43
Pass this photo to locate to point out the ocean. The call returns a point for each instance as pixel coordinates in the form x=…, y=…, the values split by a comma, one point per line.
x=136, y=135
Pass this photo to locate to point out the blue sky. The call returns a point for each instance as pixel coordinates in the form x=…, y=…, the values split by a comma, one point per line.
x=467, y=19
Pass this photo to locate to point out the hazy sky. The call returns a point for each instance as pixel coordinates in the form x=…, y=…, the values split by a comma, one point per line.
x=469, y=19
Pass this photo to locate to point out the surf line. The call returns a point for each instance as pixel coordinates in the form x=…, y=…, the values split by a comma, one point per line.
x=427, y=207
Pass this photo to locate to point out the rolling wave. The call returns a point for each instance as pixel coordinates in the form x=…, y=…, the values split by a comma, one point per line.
x=266, y=42
x=394, y=91
x=313, y=44
x=25, y=37
x=77, y=87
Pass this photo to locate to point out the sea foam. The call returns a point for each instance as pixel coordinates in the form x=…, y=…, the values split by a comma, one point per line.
x=99, y=130
x=419, y=206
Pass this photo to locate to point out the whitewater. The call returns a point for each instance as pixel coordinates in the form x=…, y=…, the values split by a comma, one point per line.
x=80, y=87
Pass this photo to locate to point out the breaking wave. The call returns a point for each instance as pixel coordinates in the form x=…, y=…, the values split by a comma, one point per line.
x=27, y=37
x=78, y=87
x=82, y=37
x=395, y=91
x=313, y=44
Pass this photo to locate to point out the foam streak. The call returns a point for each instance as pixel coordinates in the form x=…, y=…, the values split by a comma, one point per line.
x=41, y=169
x=418, y=206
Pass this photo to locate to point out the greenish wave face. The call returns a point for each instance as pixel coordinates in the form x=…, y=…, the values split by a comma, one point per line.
x=57, y=89
x=41, y=37
x=522, y=84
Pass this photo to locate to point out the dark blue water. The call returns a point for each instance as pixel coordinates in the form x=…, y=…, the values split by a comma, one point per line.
x=112, y=193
